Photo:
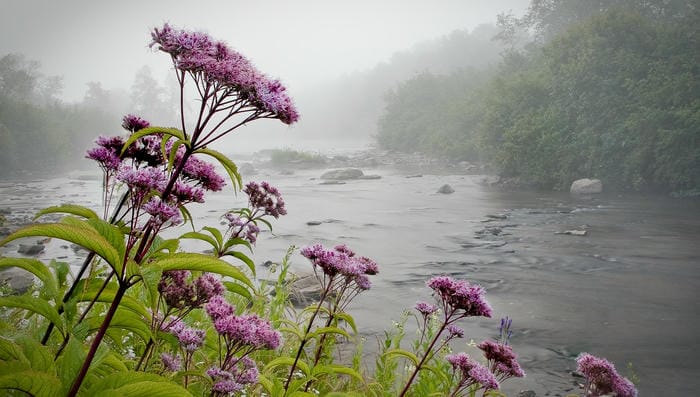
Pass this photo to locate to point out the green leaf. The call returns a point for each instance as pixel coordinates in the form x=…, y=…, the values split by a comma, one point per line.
x=111, y=233
x=336, y=369
x=237, y=241
x=107, y=296
x=36, y=268
x=402, y=353
x=287, y=362
x=203, y=237
x=329, y=330
x=17, y=376
x=34, y=305
x=199, y=262
x=79, y=233
x=348, y=319
x=72, y=209
x=174, y=132
x=244, y=258
x=228, y=165
x=70, y=362
x=37, y=355
x=238, y=289
x=136, y=384
x=216, y=233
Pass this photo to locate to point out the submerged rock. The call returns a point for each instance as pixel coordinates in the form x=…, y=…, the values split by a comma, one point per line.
x=573, y=232
x=16, y=279
x=446, y=189
x=343, y=174
x=31, y=249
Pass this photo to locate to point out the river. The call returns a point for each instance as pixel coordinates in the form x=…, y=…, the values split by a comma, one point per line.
x=627, y=290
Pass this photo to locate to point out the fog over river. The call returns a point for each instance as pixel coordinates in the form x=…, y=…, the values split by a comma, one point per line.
x=627, y=290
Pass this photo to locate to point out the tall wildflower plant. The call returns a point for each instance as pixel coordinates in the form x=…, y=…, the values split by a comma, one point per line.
x=124, y=322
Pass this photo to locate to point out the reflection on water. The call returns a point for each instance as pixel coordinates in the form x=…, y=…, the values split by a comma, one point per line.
x=627, y=290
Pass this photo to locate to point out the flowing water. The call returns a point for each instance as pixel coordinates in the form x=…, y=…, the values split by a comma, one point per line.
x=627, y=290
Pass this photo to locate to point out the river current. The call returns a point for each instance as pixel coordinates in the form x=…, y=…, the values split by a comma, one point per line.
x=627, y=290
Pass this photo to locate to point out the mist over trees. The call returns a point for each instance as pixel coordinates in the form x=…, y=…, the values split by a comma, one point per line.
x=605, y=89
x=40, y=132
x=351, y=105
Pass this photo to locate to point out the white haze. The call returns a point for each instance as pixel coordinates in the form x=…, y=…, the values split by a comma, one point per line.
x=305, y=43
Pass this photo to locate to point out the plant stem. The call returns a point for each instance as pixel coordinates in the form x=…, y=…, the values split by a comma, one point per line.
x=306, y=334
x=422, y=361
x=97, y=341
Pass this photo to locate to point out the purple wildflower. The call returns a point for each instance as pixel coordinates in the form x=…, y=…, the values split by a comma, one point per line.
x=170, y=362
x=206, y=287
x=425, y=308
x=184, y=193
x=265, y=197
x=175, y=289
x=471, y=372
x=162, y=212
x=208, y=60
x=142, y=180
x=189, y=338
x=455, y=331
x=218, y=308
x=602, y=378
x=248, y=330
x=203, y=173
x=460, y=295
x=502, y=360
x=134, y=123
x=107, y=158
x=337, y=261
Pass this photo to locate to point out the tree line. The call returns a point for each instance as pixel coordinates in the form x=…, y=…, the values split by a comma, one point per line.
x=40, y=132
x=605, y=89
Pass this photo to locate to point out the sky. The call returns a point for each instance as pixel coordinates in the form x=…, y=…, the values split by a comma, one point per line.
x=300, y=41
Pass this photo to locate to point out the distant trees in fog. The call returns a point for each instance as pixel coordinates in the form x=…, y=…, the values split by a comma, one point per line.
x=608, y=90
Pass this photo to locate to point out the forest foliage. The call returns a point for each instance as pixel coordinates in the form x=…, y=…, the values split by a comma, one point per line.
x=605, y=89
x=39, y=131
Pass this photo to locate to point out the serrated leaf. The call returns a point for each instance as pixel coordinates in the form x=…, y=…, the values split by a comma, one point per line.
x=202, y=237
x=402, y=353
x=34, y=305
x=336, y=369
x=79, y=233
x=72, y=209
x=199, y=262
x=106, y=295
x=35, y=267
x=238, y=289
x=237, y=241
x=287, y=362
x=216, y=233
x=329, y=330
x=69, y=363
x=174, y=132
x=244, y=258
x=229, y=166
x=348, y=319
x=111, y=233
x=136, y=384
x=16, y=376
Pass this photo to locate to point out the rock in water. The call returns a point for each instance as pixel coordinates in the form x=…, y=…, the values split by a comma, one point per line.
x=30, y=249
x=343, y=174
x=586, y=186
x=446, y=189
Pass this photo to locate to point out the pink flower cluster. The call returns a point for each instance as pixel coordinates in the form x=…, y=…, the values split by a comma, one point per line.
x=602, y=378
x=179, y=293
x=471, y=373
x=214, y=62
x=246, y=332
x=244, y=372
x=502, y=360
x=342, y=261
x=265, y=197
x=460, y=296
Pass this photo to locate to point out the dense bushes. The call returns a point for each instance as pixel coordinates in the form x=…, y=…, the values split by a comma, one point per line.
x=614, y=97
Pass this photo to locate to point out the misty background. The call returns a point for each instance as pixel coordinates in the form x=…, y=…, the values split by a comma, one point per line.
x=337, y=59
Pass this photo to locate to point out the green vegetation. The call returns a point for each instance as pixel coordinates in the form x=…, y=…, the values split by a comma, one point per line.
x=611, y=95
x=295, y=158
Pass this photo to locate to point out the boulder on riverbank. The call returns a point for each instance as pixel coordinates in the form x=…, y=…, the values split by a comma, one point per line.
x=586, y=186
x=347, y=174
x=446, y=189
